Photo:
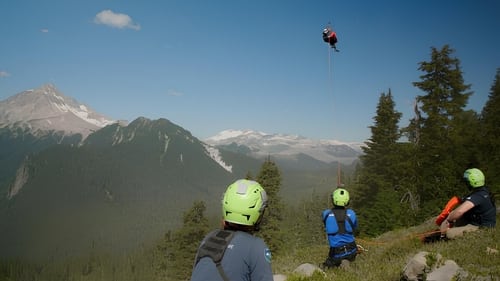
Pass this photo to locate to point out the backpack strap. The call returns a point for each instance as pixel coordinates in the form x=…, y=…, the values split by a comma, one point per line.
x=214, y=247
x=340, y=218
x=340, y=215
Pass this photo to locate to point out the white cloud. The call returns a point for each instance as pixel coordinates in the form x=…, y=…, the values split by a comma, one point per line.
x=117, y=20
x=44, y=30
x=174, y=93
x=4, y=74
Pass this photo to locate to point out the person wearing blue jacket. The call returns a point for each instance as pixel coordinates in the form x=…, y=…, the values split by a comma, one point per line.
x=233, y=253
x=340, y=224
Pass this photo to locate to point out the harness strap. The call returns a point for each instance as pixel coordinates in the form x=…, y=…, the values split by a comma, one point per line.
x=342, y=250
x=214, y=247
x=221, y=272
x=340, y=217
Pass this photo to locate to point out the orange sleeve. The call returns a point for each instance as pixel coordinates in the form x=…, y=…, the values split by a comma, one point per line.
x=454, y=201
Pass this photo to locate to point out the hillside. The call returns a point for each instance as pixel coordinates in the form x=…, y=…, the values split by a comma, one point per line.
x=81, y=181
x=383, y=259
x=122, y=188
x=386, y=256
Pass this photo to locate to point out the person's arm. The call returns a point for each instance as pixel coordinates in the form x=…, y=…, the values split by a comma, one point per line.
x=460, y=211
x=455, y=215
x=261, y=265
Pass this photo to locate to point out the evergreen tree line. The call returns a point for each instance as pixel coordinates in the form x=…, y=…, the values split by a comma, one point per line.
x=406, y=175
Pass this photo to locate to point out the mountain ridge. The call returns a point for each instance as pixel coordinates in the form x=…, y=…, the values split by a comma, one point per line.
x=259, y=144
x=47, y=109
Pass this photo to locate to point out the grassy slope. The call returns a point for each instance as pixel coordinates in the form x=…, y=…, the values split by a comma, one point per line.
x=386, y=256
x=384, y=259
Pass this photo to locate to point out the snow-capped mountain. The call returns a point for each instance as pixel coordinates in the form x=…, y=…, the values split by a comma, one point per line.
x=261, y=144
x=46, y=109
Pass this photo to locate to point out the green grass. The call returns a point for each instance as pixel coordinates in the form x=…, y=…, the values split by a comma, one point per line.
x=384, y=259
x=386, y=256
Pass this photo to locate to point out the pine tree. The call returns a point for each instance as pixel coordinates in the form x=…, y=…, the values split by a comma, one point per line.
x=379, y=151
x=269, y=178
x=490, y=136
x=180, y=246
x=379, y=175
x=441, y=147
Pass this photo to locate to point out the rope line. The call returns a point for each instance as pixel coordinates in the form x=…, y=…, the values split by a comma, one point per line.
x=407, y=237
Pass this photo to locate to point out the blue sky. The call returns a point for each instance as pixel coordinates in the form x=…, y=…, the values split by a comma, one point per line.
x=239, y=64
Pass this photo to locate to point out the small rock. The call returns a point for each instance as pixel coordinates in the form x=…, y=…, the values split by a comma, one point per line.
x=306, y=269
x=447, y=272
x=279, y=277
x=491, y=251
x=416, y=267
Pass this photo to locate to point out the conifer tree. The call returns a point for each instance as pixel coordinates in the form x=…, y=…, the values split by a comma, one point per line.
x=490, y=135
x=181, y=245
x=271, y=228
x=441, y=147
x=379, y=175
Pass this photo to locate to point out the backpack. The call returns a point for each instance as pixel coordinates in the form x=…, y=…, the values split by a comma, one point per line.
x=214, y=247
x=340, y=217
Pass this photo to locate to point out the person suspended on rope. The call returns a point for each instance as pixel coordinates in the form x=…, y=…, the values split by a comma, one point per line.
x=233, y=252
x=475, y=210
x=330, y=37
x=340, y=223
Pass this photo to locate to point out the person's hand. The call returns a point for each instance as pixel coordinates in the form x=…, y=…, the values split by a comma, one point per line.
x=444, y=226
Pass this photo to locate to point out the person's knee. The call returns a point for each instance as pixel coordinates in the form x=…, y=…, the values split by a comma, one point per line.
x=331, y=262
x=455, y=232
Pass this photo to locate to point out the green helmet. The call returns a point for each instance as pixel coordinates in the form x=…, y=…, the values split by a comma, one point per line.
x=474, y=177
x=244, y=202
x=340, y=197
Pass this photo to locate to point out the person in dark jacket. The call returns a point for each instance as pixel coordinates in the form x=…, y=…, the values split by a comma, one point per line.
x=477, y=209
x=330, y=37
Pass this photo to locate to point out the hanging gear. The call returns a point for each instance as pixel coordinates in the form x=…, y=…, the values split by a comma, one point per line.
x=330, y=37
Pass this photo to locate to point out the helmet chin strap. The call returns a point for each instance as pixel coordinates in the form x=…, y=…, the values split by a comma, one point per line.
x=256, y=227
x=259, y=220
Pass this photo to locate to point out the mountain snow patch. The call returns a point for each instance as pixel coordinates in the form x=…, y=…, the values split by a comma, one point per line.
x=215, y=155
x=281, y=145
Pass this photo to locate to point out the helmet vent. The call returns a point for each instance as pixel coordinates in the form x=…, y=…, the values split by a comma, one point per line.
x=242, y=188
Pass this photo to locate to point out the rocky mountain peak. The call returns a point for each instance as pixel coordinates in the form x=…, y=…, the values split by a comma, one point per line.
x=46, y=109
